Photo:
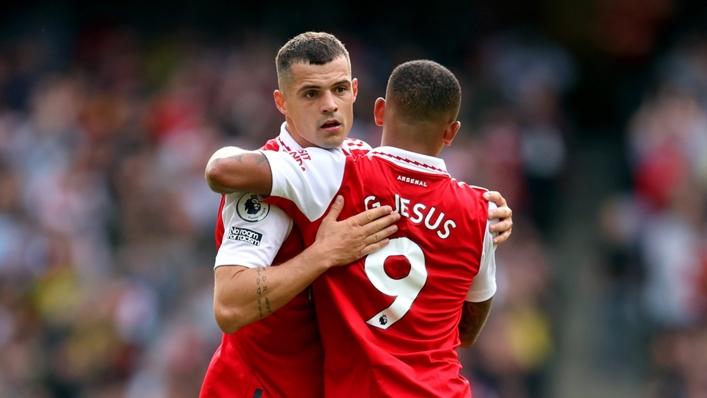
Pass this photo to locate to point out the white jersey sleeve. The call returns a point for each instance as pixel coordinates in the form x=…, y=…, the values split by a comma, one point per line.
x=309, y=177
x=253, y=231
x=483, y=287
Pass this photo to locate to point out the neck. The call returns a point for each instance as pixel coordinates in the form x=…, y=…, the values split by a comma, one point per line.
x=414, y=138
x=289, y=126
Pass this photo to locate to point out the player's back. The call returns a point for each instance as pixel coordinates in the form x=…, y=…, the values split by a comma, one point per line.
x=389, y=322
x=398, y=309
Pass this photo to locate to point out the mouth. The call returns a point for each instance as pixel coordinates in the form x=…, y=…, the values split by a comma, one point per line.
x=331, y=125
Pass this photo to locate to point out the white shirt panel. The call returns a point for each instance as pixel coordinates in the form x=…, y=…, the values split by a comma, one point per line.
x=309, y=177
x=355, y=146
x=483, y=287
x=411, y=160
x=253, y=231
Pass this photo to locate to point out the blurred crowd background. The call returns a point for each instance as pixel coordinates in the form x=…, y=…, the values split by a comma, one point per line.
x=589, y=116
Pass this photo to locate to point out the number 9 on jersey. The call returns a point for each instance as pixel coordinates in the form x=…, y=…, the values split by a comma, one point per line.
x=405, y=290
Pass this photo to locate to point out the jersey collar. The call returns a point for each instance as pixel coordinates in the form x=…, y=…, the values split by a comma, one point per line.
x=286, y=141
x=411, y=160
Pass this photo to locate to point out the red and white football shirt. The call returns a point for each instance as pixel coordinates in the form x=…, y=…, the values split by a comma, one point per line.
x=389, y=322
x=280, y=355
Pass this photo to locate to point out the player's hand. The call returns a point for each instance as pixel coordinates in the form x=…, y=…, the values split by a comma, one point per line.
x=344, y=242
x=504, y=226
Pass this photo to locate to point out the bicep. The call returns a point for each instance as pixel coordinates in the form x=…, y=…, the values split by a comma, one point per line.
x=233, y=169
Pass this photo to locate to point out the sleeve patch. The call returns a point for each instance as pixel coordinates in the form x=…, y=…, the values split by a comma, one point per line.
x=245, y=235
x=251, y=209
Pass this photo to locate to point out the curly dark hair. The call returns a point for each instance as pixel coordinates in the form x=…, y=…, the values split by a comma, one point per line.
x=424, y=90
x=316, y=48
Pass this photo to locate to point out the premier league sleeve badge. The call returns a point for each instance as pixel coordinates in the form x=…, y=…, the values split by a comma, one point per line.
x=251, y=209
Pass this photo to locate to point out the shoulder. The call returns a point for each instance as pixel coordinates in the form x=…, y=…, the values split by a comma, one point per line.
x=468, y=188
x=470, y=194
x=315, y=155
x=355, y=147
x=273, y=144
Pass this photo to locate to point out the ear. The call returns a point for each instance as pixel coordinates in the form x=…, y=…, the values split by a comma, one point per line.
x=379, y=111
x=450, y=132
x=280, y=100
x=354, y=88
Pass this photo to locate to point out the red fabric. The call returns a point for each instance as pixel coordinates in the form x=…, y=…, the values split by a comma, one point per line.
x=416, y=356
x=219, y=223
x=280, y=354
x=659, y=174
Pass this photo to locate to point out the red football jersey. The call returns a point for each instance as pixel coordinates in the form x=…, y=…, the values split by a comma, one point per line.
x=389, y=322
x=280, y=355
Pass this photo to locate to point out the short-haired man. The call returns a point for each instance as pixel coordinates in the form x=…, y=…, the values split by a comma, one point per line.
x=316, y=96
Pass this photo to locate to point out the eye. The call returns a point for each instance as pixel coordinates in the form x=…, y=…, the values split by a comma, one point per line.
x=340, y=89
x=310, y=94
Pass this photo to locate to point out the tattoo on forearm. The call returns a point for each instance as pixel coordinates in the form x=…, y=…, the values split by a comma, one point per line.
x=262, y=289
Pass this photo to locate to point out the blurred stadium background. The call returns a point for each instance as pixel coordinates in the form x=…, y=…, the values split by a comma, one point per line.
x=590, y=116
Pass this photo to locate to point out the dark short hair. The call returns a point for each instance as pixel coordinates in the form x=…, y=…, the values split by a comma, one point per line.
x=424, y=90
x=316, y=48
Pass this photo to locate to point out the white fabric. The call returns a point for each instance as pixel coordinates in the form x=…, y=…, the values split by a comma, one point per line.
x=274, y=228
x=413, y=161
x=309, y=177
x=483, y=286
x=251, y=243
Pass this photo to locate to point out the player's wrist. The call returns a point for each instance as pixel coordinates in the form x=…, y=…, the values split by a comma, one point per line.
x=319, y=256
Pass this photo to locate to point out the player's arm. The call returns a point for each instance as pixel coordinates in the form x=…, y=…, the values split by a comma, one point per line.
x=244, y=295
x=309, y=178
x=477, y=307
x=504, y=214
x=233, y=169
x=474, y=316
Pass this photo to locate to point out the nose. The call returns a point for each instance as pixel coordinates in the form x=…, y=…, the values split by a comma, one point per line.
x=329, y=104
